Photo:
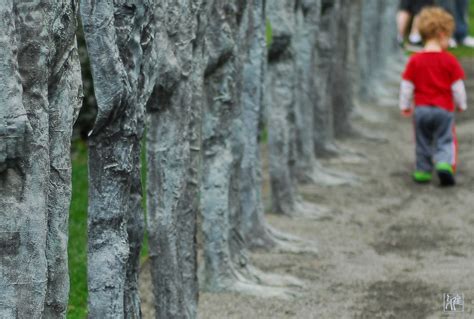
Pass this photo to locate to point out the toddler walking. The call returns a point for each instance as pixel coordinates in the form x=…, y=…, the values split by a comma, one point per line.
x=433, y=89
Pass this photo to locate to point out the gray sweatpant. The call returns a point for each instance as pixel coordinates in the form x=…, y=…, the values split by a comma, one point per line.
x=435, y=137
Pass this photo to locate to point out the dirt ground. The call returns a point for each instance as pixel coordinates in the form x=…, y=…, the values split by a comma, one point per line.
x=388, y=248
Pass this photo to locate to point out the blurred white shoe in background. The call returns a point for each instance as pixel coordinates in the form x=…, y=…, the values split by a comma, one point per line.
x=452, y=43
x=468, y=41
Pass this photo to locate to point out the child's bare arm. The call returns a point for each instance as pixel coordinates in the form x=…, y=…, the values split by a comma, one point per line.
x=407, y=90
x=459, y=95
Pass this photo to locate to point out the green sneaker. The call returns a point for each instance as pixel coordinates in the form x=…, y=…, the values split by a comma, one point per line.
x=446, y=174
x=422, y=177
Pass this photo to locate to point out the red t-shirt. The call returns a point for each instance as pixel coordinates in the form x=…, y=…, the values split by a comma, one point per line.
x=433, y=74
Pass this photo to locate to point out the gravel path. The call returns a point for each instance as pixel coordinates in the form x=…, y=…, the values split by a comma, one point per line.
x=388, y=248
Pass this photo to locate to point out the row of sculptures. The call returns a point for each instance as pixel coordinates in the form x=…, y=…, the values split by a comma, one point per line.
x=199, y=78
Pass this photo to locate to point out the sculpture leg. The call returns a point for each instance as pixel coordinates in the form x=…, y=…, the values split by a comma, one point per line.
x=111, y=163
x=114, y=31
x=223, y=271
x=169, y=210
x=65, y=100
x=257, y=233
x=282, y=186
x=219, y=270
x=135, y=231
x=24, y=185
x=188, y=213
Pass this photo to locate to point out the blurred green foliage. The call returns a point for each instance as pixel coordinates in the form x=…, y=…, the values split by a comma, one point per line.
x=269, y=33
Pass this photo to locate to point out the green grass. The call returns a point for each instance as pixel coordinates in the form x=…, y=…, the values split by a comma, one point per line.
x=78, y=233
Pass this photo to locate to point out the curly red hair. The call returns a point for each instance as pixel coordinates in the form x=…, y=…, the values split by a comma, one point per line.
x=433, y=21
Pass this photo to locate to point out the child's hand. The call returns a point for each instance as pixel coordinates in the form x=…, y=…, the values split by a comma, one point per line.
x=407, y=112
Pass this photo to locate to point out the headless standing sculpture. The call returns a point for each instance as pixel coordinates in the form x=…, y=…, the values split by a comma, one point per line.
x=307, y=14
x=257, y=233
x=281, y=81
x=305, y=47
x=41, y=94
x=226, y=265
x=150, y=49
x=330, y=71
x=174, y=158
x=115, y=224
x=324, y=116
x=341, y=92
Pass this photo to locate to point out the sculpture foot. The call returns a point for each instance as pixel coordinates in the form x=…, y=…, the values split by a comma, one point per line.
x=282, y=236
x=272, y=279
x=377, y=137
x=239, y=284
x=305, y=209
x=330, y=177
x=262, y=291
x=297, y=248
x=349, y=157
x=279, y=242
x=370, y=115
x=344, y=155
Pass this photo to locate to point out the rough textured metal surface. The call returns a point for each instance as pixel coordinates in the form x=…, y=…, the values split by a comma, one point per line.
x=226, y=264
x=308, y=15
x=116, y=33
x=13, y=118
x=284, y=101
x=257, y=233
x=222, y=145
x=280, y=99
x=358, y=55
x=341, y=100
x=304, y=45
x=173, y=157
x=327, y=46
x=254, y=229
x=40, y=97
x=151, y=49
x=378, y=52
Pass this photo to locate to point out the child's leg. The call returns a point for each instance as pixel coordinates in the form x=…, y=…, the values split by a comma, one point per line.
x=446, y=143
x=424, y=140
x=455, y=148
x=446, y=147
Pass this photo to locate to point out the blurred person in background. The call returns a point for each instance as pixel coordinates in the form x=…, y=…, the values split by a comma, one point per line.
x=459, y=9
x=409, y=9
